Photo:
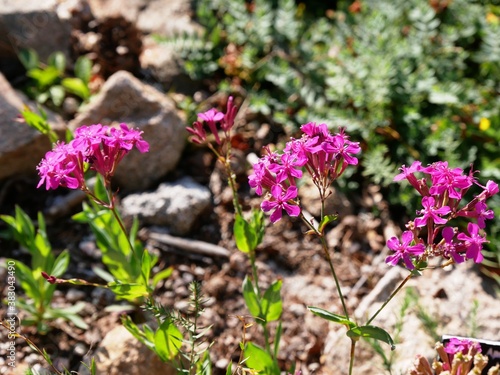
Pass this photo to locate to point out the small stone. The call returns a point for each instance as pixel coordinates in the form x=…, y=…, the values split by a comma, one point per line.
x=73, y=295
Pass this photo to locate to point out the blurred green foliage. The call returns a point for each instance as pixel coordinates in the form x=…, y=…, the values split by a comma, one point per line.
x=48, y=81
x=410, y=79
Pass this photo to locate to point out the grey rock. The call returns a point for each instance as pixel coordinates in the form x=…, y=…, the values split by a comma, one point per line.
x=121, y=353
x=149, y=15
x=21, y=147
x=161, y=59
x=125, y=99
x=26, y=24
x=177, y=12
x=175, y=205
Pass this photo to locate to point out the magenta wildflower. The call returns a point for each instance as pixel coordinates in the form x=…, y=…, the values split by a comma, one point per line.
x=482, y=214
x=211, y=117
x=431, y=212
x=445, y=179
x=324, y=156
x=97, y=147
x=463, y=346
x=473, y=243
x=286, y=169
x=230, y=115
x=403, y=250
x=449, y=247
x=198, y=132
x=340, y=145
x=280, y=201
x=214, y=119
x=407, y=172
x=261, y=178
x=63, y=166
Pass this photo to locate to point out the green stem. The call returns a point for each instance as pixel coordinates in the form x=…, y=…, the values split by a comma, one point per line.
x=332, y=269
x=266, y=340
x=329, y=259
x=351, y=360
x=390, y=297
x=232, y=184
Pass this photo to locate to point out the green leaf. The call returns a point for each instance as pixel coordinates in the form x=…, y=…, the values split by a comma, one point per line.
x=83, y=69
x=136, y=332
x=146, y=266
x=271, y=304
x=128, y=291
x=168, y=340
x=326, y=220
x=61, y=264
x=251, y=298
x=229, y=369
x=68, y=313
x=44, y=77
x=163, y=274
x=29, y=58
x=106, y=276
x=57, y=95
x=277, y=339
x=77, y=87
x=372, y=332
x=244, y=235
x=327, y=315
x=258, y=359
x=27, y=280
x=58, y=61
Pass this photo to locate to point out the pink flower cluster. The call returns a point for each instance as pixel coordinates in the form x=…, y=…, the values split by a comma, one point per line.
x=214, y=120
x=94, y=147
x=324, y=156
x=460, y=345
x=442, y=191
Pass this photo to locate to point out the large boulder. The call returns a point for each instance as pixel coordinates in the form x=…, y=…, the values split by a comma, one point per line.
x=21, y=147
x=125, y=99
x=26, y=24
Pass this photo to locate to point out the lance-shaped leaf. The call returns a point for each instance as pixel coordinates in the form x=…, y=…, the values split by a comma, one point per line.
x=271, y=302
x=372, y=332
x=327, y=315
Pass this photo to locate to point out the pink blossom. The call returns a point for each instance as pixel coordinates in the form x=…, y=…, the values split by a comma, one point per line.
x=449, y=247
x=403, y=250
x=211, y=117
x=473, y=243
x=483, y=213
x=456, y=345
x=407, y=172
x=102, y=148
x=431, y=212
x=286, y=169
x=280, y=201
x=445, y=179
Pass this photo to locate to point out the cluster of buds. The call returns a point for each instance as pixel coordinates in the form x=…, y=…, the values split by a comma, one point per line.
x=442, y=193
x=95, y=147
x=456, y=357
x=214, y=120
x=323, y=155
